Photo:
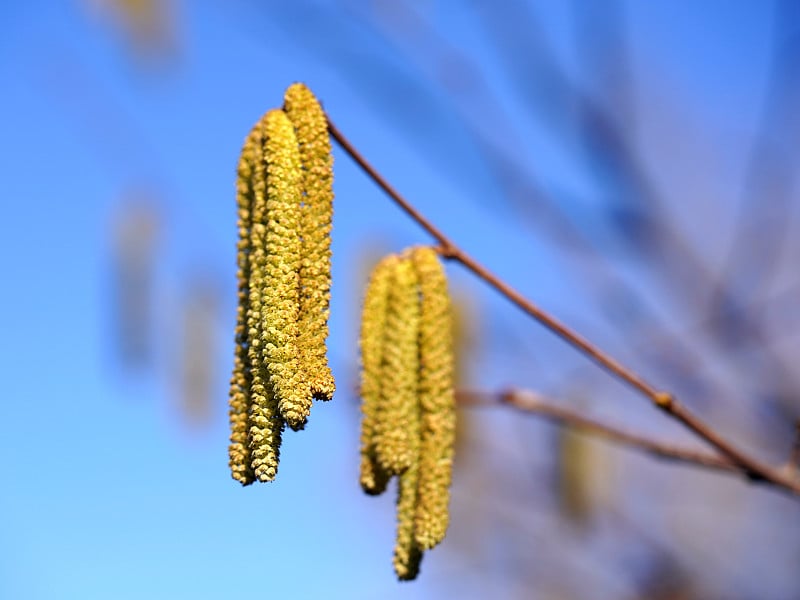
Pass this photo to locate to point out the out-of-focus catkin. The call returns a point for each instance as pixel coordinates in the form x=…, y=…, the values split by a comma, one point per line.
x=407, y=551
x=436, y=399
x=373, y=478
x=281, y=290
x=399, y=372
x=239, y=458
x=316, y=159
x=266, y=425
x=408, y=398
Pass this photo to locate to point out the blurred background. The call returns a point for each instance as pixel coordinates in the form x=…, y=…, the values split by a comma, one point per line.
x=628, y=166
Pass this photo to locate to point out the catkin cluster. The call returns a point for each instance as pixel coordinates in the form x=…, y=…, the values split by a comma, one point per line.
x=284, y=199
x=408, y=404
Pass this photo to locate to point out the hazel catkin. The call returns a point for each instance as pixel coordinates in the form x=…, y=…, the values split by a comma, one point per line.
x=436, y=399
x=281, y=286
x=399, y=372
x=316, y=211
x=373, y=477
x=239, y=456
x=266, y=424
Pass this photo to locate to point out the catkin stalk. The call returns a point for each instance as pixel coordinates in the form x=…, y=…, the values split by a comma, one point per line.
x=373, y=478
x=316, y=159
x=436, y=398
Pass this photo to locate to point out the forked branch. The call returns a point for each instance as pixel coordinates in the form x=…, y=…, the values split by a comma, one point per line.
x=533, y=403
x=750, y=466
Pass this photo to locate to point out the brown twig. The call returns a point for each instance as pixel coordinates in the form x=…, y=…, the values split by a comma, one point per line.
x=794, y=459
x=752, y=467
x=531, y=402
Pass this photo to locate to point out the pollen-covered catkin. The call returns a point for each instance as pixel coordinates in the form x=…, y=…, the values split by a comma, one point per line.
x=239, y=458
x=437, y=399
x=311, y=130
x=266, y=425
x=407, y=552
x=281, y=292
x=399, y=372
x=373, y=478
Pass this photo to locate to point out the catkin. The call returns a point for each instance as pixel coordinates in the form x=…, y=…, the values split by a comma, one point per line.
x=399, y=372
x=281, y=292
x=311, y=129
x=401, y=432
x=266, y=424
x=241, y=380
x=436, y=399
x=373, y=478
x=407, y=552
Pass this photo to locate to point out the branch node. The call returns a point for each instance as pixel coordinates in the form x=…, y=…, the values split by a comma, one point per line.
x=664, y=401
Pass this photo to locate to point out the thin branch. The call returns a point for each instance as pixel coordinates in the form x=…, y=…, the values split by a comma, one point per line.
x=752, y=467
x=794, y=459
x=531, y=402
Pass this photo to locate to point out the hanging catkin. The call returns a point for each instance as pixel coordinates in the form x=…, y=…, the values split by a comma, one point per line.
x=281, y=289
x=436, y=398
x=284, y=205
x=408, y=399
x=311, y=129
x=241, y=381
x=373, y=478
x=407, y=552
x=266, y=423
x=399, y=422
x=399, y=372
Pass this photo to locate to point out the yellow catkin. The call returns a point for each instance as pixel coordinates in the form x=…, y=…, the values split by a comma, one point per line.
x=399, y=369
x=373, y=321
x=436, y=398
x=241, y=380
x=281, y=285
x=311, y=129
x=266, y=424
x=401, y=410
x=407, y=552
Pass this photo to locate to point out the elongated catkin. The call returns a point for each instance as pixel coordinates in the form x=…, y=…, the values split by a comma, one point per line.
x=373, y=478
x=436, y=398
x=281, y=292
x=400, y=415
x=316, y=159
x=239, y=456
x=407, y=552
x=399, y=372
x=266, y=424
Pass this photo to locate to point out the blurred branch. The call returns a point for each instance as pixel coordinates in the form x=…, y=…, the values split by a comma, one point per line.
x=752, y=467
x=532, y=402
x=794, y=460
x=602, y=133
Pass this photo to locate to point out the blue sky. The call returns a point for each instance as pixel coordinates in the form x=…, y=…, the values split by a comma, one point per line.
x=107, y=494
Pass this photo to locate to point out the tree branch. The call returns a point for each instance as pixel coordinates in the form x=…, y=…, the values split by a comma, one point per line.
x=533, y=403
x=752, y=467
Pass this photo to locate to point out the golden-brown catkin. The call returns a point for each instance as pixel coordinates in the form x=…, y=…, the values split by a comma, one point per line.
x=373, y=478
x=280, y=296
x=436, y=398
x=266, y=424
x=239, y=458
x=399, y=372
x=316, y=159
